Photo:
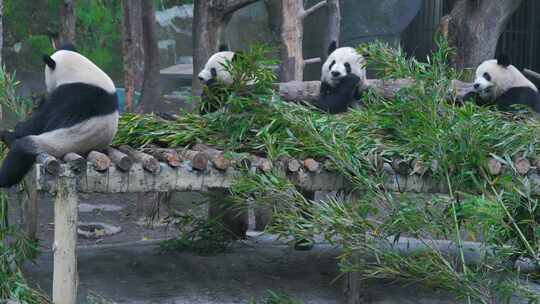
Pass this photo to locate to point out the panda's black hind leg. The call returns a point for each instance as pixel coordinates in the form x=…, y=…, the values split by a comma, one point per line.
x=17, y=163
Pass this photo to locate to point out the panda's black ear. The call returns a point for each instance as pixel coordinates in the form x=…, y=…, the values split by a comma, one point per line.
x=223, y=48
x=49, y=62
x=332, y=47
x=503, y=60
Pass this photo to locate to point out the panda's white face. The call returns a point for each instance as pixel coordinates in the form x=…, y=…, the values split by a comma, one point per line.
x=493, y=79
x=72, y=67
x=340, y=63
x=214, y=69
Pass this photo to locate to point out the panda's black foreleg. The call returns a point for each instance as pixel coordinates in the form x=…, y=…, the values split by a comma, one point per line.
x=32, y=126
x=17, y=163
x=7, y=137
x=338, y=99
x=519, y=96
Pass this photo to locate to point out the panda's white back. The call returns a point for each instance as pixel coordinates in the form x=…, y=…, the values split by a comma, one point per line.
x=73, y=67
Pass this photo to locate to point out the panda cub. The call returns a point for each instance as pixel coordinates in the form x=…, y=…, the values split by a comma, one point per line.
x=213, y=75
x=79, y=114
x=341, y=73
x=502, y=83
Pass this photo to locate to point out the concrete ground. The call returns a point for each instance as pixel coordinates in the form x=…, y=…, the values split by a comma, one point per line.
x=128, y=268
x=138, y=273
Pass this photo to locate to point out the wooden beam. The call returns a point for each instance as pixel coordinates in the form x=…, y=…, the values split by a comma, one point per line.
x=187, y=178
x=65, y=277
x=30, y=208
x=531, y=74
x=309, y=91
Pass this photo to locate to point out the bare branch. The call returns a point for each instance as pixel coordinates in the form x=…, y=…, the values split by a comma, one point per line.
x=312, y=9
x=234, y=5
x=312, y=60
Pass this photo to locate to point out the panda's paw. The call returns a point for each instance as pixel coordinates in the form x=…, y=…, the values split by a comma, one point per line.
x=7, y=137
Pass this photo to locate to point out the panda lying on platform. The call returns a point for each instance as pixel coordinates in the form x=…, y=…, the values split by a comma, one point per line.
x=79, y=114
x=500, y=82
x=340, y=76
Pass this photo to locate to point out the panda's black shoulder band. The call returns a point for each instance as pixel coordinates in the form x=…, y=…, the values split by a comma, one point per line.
x=67, y=46
x=49, y=62
x=503, y=60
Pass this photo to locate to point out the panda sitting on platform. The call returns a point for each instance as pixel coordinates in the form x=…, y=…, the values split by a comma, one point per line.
x=341, y=73
x=214, y=76
x=79, y=114
x=499, y=82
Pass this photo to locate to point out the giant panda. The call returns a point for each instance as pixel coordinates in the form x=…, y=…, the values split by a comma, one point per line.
x=500, y=82
x=341, y=73
x=214, y=69
x=214, y=76
x=79, y=114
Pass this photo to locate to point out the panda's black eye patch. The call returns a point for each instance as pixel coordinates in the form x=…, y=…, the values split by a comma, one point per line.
x=331, y=65
x=348, y=67
x=487, y=76
x=213, y=72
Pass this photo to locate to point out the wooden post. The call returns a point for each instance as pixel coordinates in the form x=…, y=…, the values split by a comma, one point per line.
x=65, y=277
x=353, y=289
x=30, y=211
x=233, y=218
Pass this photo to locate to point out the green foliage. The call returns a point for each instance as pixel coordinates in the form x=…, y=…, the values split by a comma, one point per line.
x=419, y=123
x=200, y=235
x=252, y=78
x=99, y=33
x=277, y=298
x=14, y=247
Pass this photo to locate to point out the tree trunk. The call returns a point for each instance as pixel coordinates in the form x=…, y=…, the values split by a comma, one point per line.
x=474, y=28
x=333, y=31
x=150, y=95
x=208, y=27
x=292, y=36
x=132, y=46
x=209, y=21
x=67, y=22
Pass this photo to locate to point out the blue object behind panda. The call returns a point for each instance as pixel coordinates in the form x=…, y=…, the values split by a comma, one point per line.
x=79, y=114
x=500, y=82
x=341, y=73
